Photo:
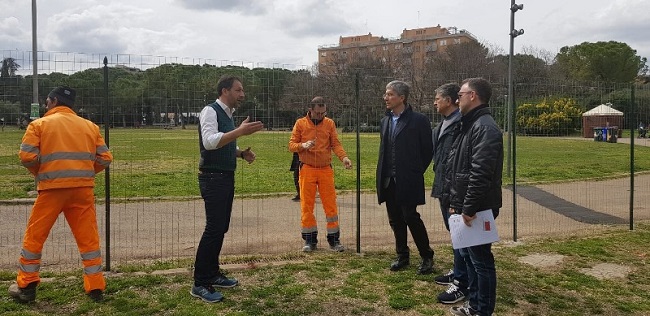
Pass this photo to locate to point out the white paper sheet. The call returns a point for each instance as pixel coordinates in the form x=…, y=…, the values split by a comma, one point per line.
x=482, y=231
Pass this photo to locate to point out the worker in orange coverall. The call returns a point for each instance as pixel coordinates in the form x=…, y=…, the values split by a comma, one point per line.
x=64, y=152
x=314, y=138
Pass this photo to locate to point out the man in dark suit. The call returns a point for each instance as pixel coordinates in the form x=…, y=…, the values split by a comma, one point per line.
x=405, y=153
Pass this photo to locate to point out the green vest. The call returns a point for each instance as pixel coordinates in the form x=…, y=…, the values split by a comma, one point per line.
x=224, y=158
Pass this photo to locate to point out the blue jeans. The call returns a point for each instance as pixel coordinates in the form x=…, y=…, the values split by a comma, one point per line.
x=460, y=268
x=218, y=191
x=482, y=278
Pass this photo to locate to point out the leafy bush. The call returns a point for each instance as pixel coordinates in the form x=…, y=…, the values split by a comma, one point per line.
x=558, y=117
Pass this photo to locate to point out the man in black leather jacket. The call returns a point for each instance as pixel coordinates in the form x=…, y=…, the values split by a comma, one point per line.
x=473, y=178
x=444, y=134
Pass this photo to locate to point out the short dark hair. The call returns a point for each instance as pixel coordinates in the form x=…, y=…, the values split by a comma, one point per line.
x=449, y=90
x=226, y=82
x=400, y=87
x=317, y=100
x=482, y=87
x=63, y=95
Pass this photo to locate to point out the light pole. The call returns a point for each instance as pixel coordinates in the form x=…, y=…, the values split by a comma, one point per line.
x=35, y=105
x=511, y=117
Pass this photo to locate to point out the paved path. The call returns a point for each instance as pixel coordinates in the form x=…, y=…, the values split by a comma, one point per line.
x=566, y=208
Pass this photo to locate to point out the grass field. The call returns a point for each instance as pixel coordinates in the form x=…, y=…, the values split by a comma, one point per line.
x=326, y=283
x=159, y=162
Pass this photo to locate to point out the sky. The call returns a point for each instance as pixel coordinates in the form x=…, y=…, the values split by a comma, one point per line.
x=287, y=33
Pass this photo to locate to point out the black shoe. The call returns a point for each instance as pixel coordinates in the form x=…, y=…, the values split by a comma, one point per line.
x=399, y=264
x=426, y=267
x=453, y=294
x=96, y=295
x=296, y=198
x=308, y=247
x=337, y=247
x=23, y=295
x=225, y=282
x=465, y=310
x=445, y=279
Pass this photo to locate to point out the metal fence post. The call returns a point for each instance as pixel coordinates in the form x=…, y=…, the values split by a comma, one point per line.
x=107, y=178
x=358, y=105
x=633, y=124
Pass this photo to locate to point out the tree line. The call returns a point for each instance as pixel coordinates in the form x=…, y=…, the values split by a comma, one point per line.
x=175, y=93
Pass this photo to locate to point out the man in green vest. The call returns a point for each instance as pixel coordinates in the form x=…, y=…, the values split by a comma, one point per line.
x=219, y=153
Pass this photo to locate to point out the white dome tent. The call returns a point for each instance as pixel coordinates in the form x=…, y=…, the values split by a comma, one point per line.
x=603, y=115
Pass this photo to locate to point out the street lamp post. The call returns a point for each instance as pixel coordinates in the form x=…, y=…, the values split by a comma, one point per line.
x=512, y=162
x=34, y=56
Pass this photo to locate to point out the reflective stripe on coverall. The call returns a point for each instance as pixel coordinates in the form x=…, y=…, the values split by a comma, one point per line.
x=78, y=207
x=322, y=178
x=64, y=152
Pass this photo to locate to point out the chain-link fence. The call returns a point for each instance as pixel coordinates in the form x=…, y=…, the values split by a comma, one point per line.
x=153, y=108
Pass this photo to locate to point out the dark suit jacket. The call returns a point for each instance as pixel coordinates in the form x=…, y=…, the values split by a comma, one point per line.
x=413, y=153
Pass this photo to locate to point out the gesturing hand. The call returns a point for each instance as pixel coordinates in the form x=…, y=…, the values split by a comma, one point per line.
x=247, y=127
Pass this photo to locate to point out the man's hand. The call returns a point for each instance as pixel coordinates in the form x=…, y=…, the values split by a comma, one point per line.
x=308, y=144
x=347, y=163
x=468, y=219
x=246, y=127
x=248, y=155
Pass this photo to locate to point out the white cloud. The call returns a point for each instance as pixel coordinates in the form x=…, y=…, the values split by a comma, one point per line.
x=97, y=29
x=12, y=33
x=244, y=7
x=290, y=31
x=310, y=18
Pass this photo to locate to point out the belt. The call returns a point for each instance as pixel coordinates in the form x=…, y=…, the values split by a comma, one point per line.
x=325, y=166
x=224, y=172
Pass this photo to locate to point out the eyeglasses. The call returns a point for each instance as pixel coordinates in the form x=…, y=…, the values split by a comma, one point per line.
x=319, y=113
x=460, y=94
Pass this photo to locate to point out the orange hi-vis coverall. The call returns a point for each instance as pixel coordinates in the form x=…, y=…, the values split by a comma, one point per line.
x=64, y=152
x=316, y=172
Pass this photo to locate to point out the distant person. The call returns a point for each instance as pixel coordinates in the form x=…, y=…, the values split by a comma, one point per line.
x=643, y=130
x=444, y=135
x=295, y=168
x=405, y=152
x=314, y=138
x=219, y=152
x=2, y=121
x=473, y=178
x=64, y=152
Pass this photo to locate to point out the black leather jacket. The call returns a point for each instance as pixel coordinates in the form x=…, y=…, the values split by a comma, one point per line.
x=441, y=147
x=475, y=164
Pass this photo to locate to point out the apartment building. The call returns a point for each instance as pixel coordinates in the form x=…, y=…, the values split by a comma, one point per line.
x=412, y=46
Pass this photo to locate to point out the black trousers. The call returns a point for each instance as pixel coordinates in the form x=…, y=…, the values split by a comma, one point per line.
x=218, y=191
x=401, y=217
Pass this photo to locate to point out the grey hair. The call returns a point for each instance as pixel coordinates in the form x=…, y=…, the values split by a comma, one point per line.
x=400, y=87
x=449, y=90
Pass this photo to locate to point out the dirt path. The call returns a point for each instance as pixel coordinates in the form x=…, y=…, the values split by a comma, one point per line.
x=171, y=229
